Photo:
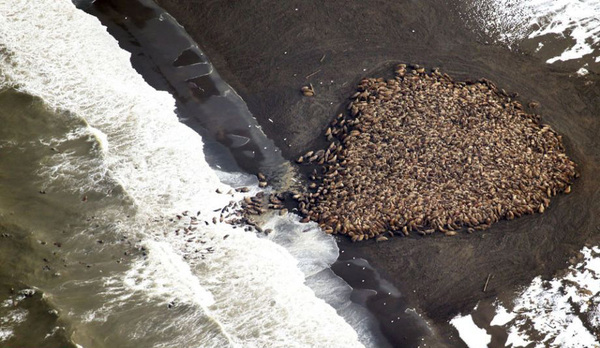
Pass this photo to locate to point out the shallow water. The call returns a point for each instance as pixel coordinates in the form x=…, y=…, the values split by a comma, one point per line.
x=132, y=23
x=114, y=197
x=28, y=317
x=98, y=245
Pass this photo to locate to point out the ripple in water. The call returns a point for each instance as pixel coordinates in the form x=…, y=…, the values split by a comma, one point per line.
x=248, y=292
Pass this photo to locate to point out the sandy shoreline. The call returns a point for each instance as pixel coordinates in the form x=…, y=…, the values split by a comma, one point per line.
x=266, y=50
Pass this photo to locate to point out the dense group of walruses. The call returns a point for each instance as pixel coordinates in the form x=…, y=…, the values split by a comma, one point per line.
x=421, y=152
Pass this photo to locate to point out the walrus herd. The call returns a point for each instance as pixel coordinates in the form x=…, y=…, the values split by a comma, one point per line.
x=421, y=152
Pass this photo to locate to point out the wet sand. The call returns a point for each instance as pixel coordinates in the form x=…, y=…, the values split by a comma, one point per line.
x=266, y=50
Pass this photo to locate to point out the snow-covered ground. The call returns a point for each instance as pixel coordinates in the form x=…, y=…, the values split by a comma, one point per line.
x=510, y=22
x=562, y=312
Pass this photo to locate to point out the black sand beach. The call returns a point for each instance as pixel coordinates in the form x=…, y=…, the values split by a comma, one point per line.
x=268, y=50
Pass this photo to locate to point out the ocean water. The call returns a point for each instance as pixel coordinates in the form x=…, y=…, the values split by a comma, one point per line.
x=108, y=201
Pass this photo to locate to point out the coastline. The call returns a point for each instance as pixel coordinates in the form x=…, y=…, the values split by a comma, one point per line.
x=442, y=276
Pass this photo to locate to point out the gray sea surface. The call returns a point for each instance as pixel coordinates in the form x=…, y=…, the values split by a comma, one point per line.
x=64, y=239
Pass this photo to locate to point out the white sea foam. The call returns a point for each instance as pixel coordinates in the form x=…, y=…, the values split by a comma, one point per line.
x=13, y=316
x=5, y=334
x=167, y=275
x=511, y=21
x=246, y=291
x=10, y=320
